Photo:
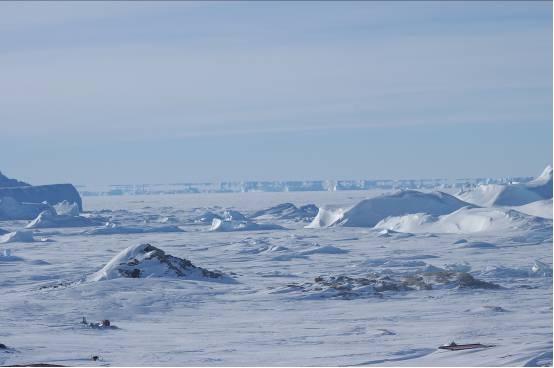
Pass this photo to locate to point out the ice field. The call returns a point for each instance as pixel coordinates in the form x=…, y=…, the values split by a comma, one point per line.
x=280, y=293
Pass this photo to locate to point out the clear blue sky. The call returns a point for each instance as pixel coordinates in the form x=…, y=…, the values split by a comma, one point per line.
x=98, y=93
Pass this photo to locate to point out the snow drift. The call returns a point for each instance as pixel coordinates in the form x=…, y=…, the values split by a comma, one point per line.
x=288, y=211
x=542, y=184
x=232, y=225
x=490, y=195
x=111, y=228
x=50, y=219
x=466, y=220
x=539, y=208
x=369, y=212
x=145, y=260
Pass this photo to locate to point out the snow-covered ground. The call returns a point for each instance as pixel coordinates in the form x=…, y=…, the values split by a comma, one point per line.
x=337, y=295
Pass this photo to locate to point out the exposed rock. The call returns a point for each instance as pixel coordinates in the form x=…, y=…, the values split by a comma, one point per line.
x=374, y=284
x=145, y=260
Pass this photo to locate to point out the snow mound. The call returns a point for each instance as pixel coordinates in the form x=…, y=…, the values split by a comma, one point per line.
x=542, y=184
x=145, y=260
x=232, y=225
x=369, y=212
x=490, y=195
x=466, y=220
x=111, y=229
x=23, y=236
x=541, y=208
x=326, y=216
x=67, y=208
x=50, y=219
x=316, y=249
x=11, y=209
x=288, y=211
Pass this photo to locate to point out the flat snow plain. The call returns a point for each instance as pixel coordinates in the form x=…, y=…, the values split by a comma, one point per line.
x=260, y=319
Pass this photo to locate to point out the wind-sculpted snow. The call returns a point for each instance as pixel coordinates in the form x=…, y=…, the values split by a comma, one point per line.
x=315, y=249
x=50, y=219
x=145, y=261
x=542, y=184
x=381, y=284
x=489, y=195
x=541, y=208
x=111, y=229
x=369, y=212
x=232, y=225
x=467, y=220
x=288, y=211
x=381, y=296
x=10, y=209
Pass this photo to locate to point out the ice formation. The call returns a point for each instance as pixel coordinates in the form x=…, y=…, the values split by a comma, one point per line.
x=465, y=220
x=50, y=219
x=369, y=212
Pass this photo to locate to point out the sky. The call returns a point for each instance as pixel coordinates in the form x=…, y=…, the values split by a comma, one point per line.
x=165, y=92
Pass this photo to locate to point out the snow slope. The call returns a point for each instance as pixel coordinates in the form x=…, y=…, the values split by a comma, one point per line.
x=369, y=212
x=489, y=195
x=467, y=220
x=542, y=184
x=347, y=317
x=541, y=208
x=113, y=229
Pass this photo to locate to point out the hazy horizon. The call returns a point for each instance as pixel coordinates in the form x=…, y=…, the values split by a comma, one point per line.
x=104, y=93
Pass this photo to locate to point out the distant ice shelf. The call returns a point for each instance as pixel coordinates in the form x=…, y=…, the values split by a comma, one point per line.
x=290, y=186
